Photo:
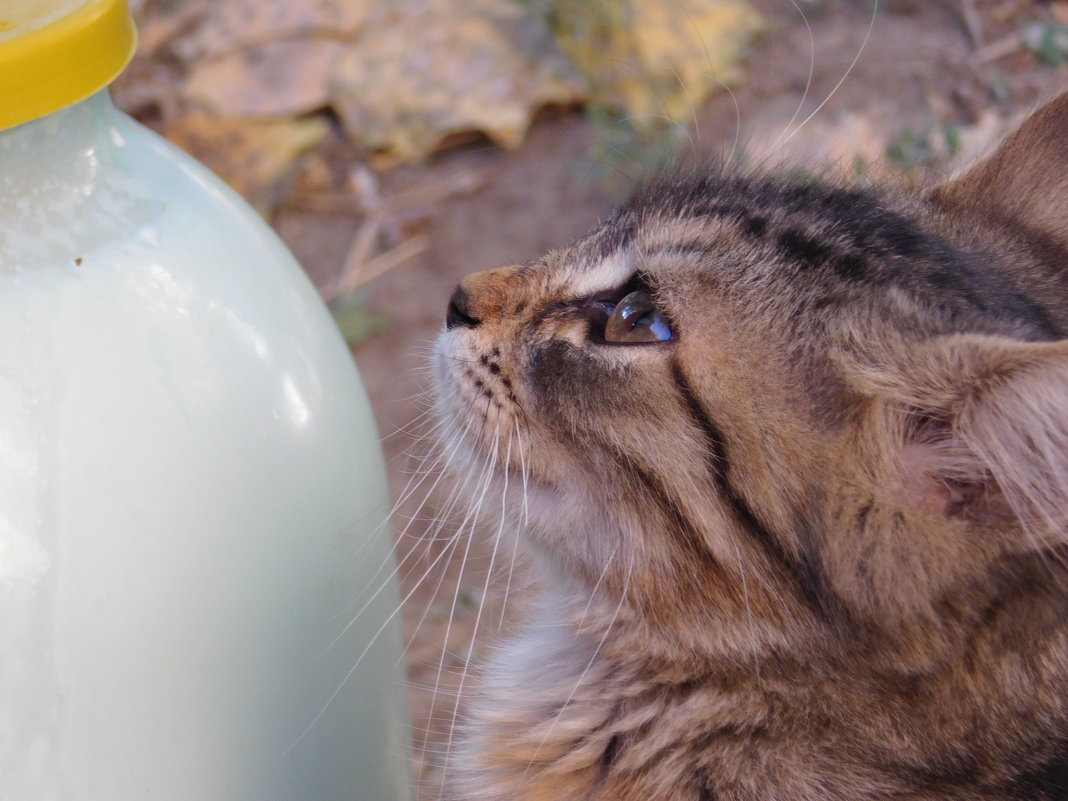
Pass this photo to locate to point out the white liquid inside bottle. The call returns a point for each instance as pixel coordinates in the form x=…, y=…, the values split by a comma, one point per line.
x=192, y=497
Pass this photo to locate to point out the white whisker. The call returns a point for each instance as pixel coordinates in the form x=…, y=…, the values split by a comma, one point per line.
x=845, y=75
x=475, y=511
x=589, y=665
x=524, y=520
x=596, y=586
x=808, y=80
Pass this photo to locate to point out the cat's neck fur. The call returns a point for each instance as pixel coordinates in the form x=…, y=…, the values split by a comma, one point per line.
x=577, y=708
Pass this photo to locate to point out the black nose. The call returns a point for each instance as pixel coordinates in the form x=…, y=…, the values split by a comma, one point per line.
x=459, y=312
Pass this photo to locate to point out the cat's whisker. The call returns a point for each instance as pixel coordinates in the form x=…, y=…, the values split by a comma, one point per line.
x=411, y=428
x=385, y=625
x=370, y=539
x=737, y=143
x=490, y=467
x=643, y=75
x=450, y=549
x=730, y=92
x=524, y=520
x=808, y=81
x=382, y=586
x=451, y=545
x=456, y=494
x=845, y=75
x=461, y=360
x=594, y=589
x=485, y=590
x=445, y=463
x=436, y=690
x=418, y=476
x=421, y=473
x=585, y=671
x=443, y=692
x=754, y=646
x=695, y=137
x=473, y=513
x=620, y=155
x=398, y=566
x=431, y=537
x=385, y=562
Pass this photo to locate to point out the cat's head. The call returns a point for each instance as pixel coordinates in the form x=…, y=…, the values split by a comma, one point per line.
x=761, y=408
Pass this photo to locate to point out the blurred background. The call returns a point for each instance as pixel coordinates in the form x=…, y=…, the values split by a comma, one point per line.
x=397, y=145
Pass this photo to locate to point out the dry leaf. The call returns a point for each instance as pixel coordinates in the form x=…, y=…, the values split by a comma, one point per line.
x=272, y=80
x=405, y=75
x=253, y=157
x=158, y=29
x=652, y=59
x=233, y=25
x=422, y=70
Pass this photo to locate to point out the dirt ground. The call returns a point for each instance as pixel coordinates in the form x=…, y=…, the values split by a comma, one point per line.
x=900, y=90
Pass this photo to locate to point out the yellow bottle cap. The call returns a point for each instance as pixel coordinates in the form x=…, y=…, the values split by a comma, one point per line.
x=54, y=53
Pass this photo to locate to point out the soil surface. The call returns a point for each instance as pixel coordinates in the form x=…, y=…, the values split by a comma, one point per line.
x=915, y=80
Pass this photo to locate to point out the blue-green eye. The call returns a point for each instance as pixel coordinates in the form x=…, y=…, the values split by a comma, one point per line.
x=636, y=319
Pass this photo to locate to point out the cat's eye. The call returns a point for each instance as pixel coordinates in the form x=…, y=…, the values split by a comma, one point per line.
x=635, y=319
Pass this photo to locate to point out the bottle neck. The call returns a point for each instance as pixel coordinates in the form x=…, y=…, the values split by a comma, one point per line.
x=63, y=186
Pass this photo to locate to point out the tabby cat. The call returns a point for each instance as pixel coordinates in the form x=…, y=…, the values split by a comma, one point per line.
x=793, y=461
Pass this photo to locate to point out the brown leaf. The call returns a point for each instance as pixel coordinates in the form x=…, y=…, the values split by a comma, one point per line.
x=158, y=29
x=424, y=69
x=233, y=25
x=656, y=60
x=271, y=80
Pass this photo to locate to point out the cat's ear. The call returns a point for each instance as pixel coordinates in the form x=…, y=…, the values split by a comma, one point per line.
x=986, y=413
x=1023, y=184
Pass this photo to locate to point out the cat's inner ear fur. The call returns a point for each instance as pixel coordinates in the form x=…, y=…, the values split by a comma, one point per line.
x=977, y=416
x=1022, y=185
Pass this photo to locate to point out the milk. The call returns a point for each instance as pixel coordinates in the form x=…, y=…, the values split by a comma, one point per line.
x=192, y=497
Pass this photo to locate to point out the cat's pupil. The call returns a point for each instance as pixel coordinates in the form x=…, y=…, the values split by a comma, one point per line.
x=635, y=319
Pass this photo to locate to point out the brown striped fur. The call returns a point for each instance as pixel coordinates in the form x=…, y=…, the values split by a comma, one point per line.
x=811, y=549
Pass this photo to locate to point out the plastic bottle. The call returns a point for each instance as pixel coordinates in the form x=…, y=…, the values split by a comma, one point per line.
x=192, y=497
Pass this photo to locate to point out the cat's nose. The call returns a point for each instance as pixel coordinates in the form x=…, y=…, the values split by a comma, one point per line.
x=459, y=311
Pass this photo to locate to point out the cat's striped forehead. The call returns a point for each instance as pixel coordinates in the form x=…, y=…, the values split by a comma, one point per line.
x=846, y=234
x=816, y=244
x=585, y=272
